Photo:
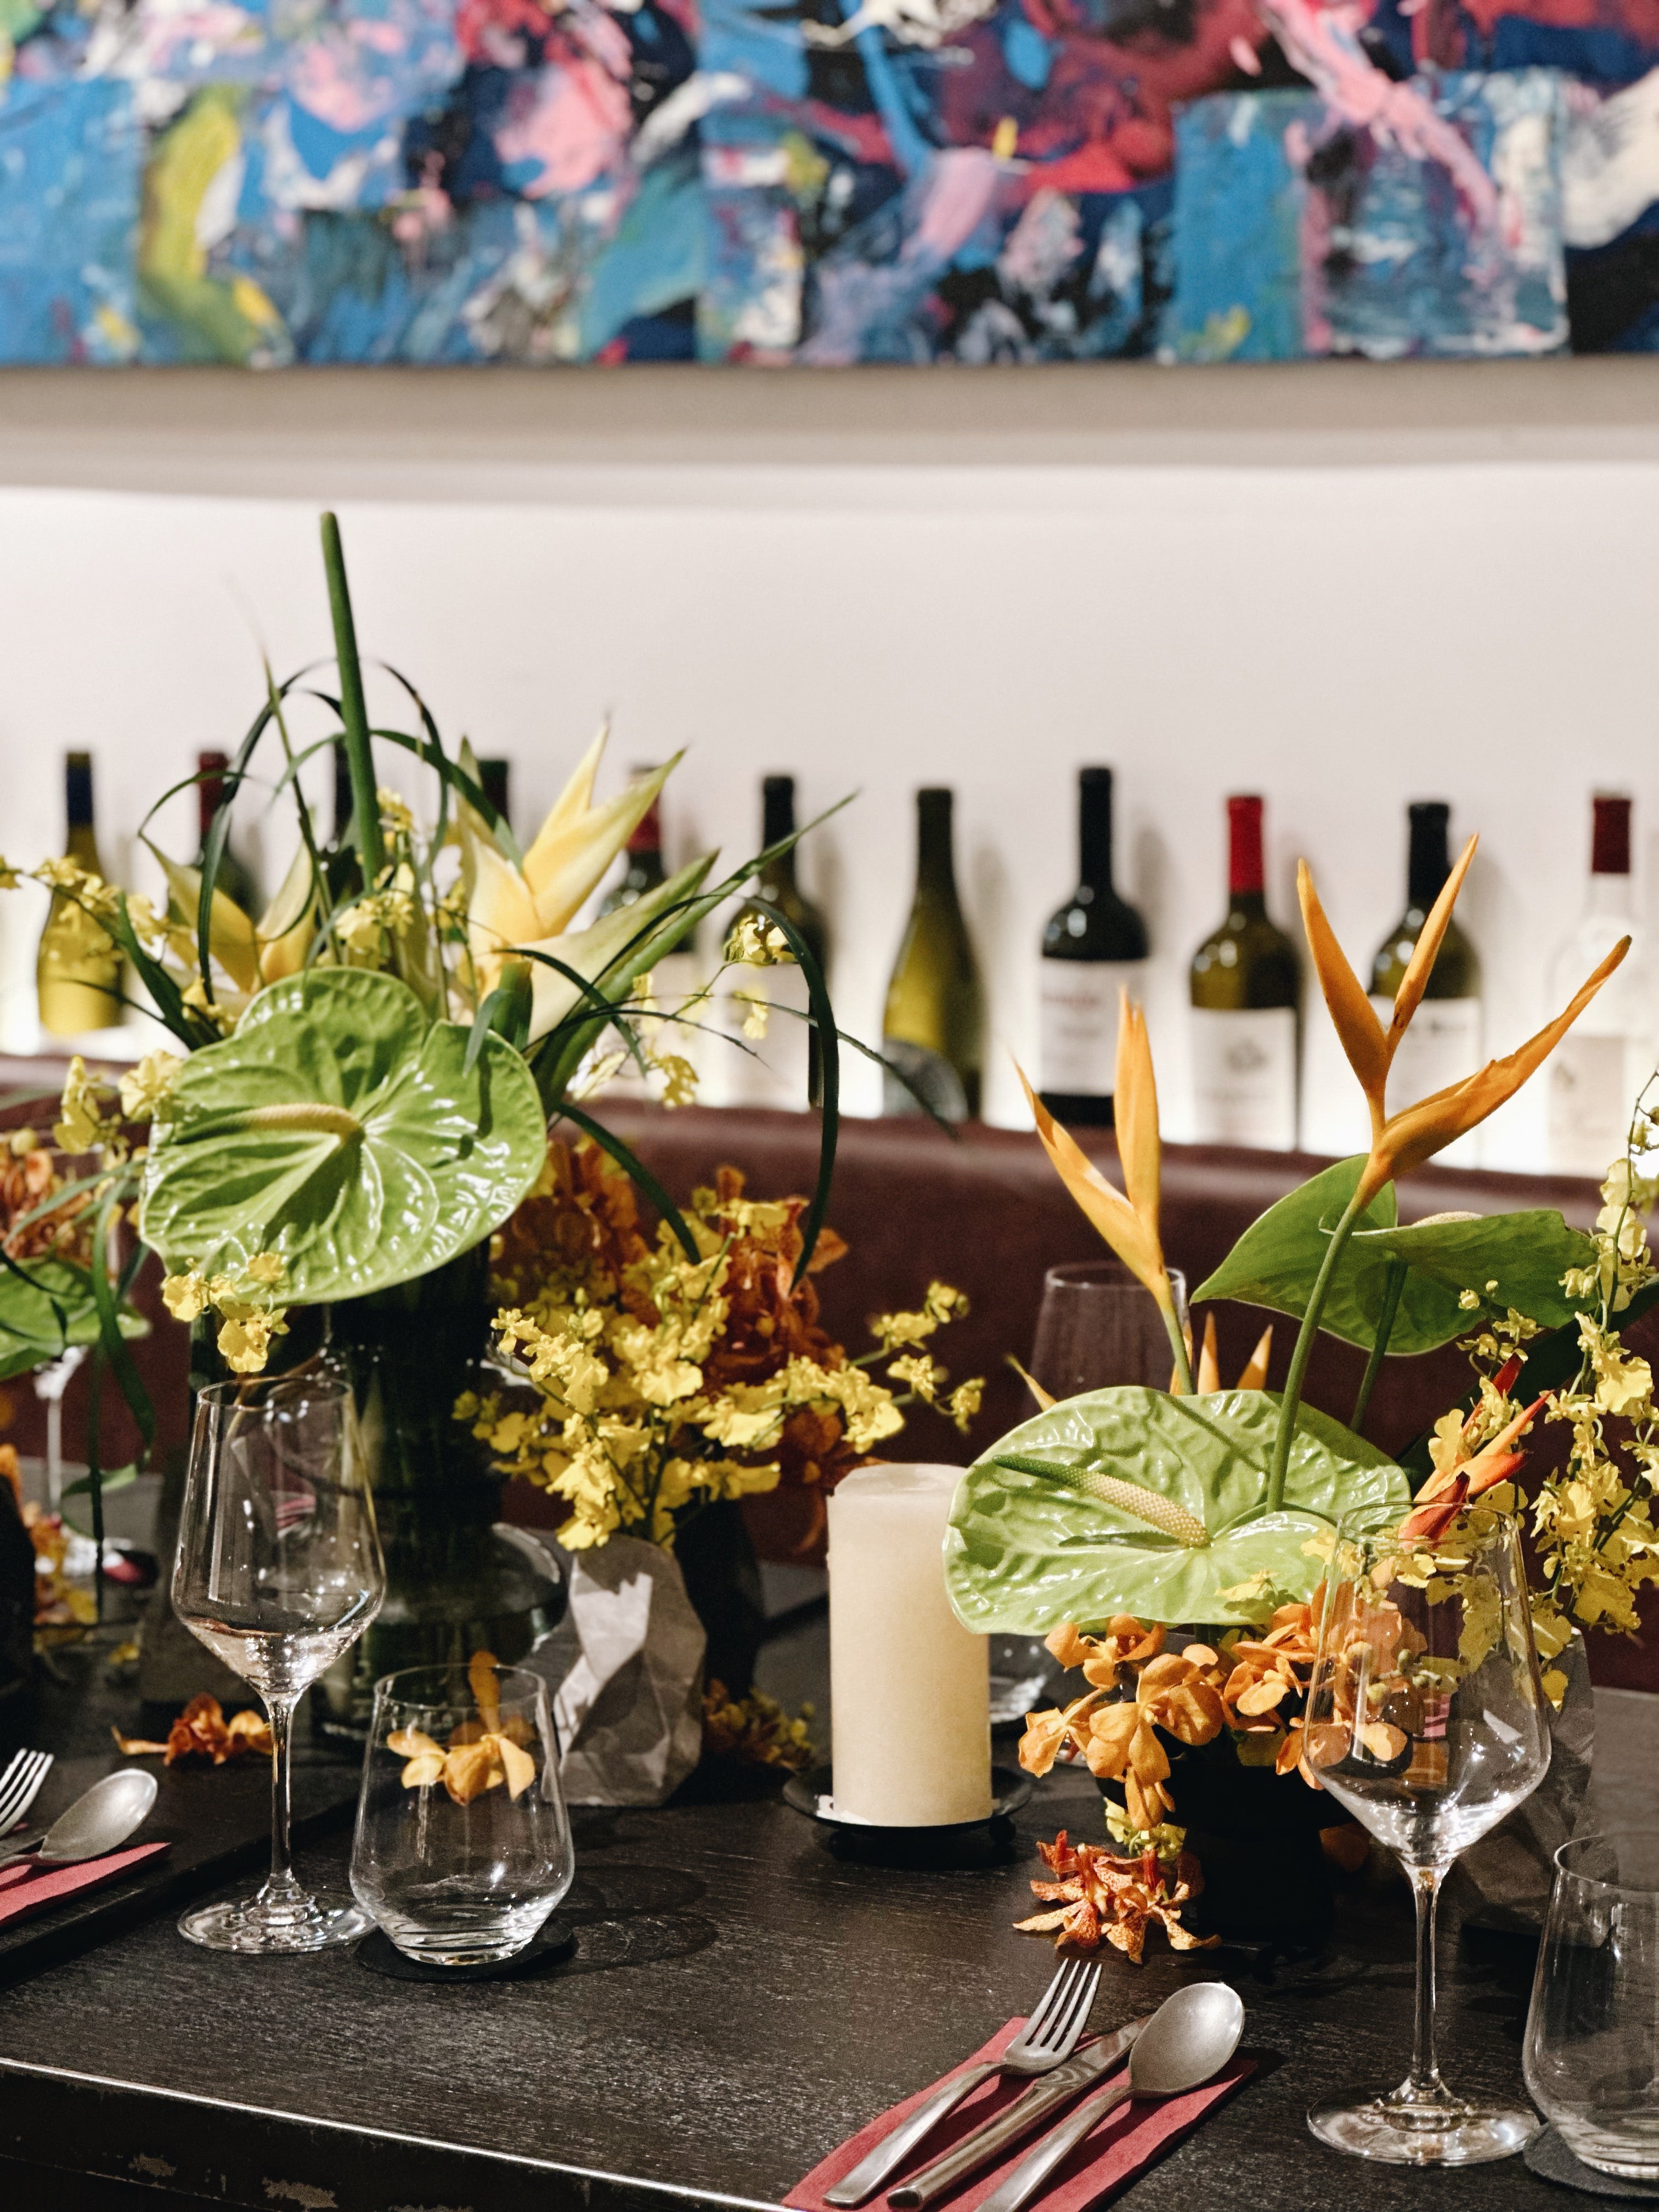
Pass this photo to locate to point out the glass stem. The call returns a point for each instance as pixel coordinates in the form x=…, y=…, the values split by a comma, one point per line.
x=1423, y=2086
x=281, y=1713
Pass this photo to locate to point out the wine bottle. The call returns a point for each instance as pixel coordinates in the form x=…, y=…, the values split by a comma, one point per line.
x=493, y=777
x=78, y=969
x=1599, y=1067
x=782, y=1069
x=1092, y=947
x=934, y=1025
x=234, y=877
x=1244, y=986
x=1443, y=1044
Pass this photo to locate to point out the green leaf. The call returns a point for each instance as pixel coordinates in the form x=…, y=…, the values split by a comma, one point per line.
x=1025, y=1551
x=342, y=1130
x=1275, y=1260
x=34, y=1295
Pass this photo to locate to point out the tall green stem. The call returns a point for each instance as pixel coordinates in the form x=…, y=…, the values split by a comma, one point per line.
x=1183, y=1357
x=1290, y=1405
x=353, y=713
x=1393, y=1285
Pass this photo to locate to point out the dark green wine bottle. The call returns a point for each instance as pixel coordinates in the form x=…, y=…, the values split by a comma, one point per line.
x=785, y=1070
x=1443, y=1044
x=1245, y=985
x=1093, y=947
x=933, y=1029
x=234, y=877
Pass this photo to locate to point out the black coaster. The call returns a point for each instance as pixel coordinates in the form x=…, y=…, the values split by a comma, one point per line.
x=555, y=1942
x=1548, y=2156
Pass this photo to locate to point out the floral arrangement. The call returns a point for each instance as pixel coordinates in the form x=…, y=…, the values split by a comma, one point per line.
x=202, y=1731
x=662, y=1381
x=1132, y=1510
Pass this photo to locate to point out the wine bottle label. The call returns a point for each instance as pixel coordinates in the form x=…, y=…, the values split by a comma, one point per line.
x=1244, y=1076
x=764, y=1060
x=1440, y=1048
x=1593, y=1082
x=929, y=1075
x=1076, y=1014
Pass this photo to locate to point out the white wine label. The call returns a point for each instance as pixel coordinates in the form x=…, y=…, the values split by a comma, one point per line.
x=1593, y=1082
x=1244, y=1076
x=1077, y=1011
x=765, y=1052
x=1442, y=1047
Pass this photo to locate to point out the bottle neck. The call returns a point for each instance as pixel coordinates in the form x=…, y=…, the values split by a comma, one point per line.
x=211, y=797
x=646, y=835
x=1428, y=867
x=77, y=794
x=778, y=822
x=1244, y=872
x=1094, y=834
x=935, y=865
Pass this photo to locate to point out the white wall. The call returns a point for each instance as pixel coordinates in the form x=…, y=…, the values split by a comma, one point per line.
x=1437, y=586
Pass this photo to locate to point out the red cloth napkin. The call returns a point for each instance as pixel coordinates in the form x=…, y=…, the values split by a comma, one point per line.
x=26, y=1888
x=1117, y=2151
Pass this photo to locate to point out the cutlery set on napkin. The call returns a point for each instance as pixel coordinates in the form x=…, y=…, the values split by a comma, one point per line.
x=1174, y=2067
x=81, y=1850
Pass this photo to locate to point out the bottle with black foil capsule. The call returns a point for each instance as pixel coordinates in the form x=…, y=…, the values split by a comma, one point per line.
x=1093, y=947
x=933, y=1029
x=781, y=1066
x=494, y=781
x=234, y=877
x=1443, y=1043
x=1596, y=1072
x=78, y=968
x=1245, y=985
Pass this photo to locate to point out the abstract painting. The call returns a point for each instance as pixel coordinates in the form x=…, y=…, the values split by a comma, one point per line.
x=824, y=183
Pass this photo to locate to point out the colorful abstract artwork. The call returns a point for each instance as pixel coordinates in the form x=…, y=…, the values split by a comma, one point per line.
x=825, y=182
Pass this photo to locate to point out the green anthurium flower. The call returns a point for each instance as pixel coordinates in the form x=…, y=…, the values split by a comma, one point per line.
x=45, y=1306
x=1026, y=1550
x=1522, y=1255
x=343, y=1131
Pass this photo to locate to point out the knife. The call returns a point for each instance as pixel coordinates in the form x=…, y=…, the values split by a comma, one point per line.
x=986, y=2143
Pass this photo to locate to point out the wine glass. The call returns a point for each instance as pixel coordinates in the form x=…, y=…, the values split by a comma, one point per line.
x=1425, y=1720
x=279, y=1569
x=1098, y=1325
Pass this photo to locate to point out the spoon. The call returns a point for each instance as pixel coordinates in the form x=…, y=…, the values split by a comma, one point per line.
x=1191, y=2036
x=96, y=1822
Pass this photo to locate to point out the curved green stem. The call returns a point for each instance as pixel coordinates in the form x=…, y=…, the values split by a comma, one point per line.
x=1290, y=1404
x=1393, y=1284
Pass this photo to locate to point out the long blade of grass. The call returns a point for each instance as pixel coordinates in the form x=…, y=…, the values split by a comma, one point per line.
x=354, y=712
x=637, y=1173
x=823, y=1021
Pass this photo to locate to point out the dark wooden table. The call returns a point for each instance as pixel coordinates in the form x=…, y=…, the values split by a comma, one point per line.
x=740, y=2001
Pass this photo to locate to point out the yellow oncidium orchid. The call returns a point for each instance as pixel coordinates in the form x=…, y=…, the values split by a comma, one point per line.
x=1128, y=1223
x=530, y=908
x=1405, y=1140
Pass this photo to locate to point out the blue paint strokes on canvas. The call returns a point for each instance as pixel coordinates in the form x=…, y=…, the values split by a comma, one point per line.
x=69, y=157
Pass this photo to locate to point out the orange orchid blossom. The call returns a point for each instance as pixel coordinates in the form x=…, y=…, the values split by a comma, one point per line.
x=1128, y=1219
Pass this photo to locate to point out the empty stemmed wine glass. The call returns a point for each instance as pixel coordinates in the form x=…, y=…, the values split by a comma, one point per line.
x=279, y=1569
x=1426, y=1719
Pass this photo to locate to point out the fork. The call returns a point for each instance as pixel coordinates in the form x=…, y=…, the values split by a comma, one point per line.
x=1046, y=2040
x=21, y=1784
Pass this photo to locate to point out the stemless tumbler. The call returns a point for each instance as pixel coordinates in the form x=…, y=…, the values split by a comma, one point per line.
x=1425, y=1720
x=1592, y=2055
x=1098, y=1325
x=463, y=1846
x=279, y=1570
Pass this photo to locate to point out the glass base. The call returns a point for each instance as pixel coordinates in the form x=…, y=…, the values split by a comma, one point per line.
x=274, y=1921
x=1437, y=2131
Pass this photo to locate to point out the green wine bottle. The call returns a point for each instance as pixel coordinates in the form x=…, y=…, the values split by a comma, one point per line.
x=933, y=1030
x=1093, y=947
x=234, y=877
x=1245, y=985
x=493, y=780
x=1443, y=1044
x=783, y=1070
x=78, y=969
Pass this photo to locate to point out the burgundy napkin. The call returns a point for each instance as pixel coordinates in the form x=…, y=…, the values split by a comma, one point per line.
x=26, y=1888
x=1118, y=2150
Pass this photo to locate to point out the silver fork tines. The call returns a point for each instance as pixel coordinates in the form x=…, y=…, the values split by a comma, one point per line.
x=20, y=1785
x=1046, y=2040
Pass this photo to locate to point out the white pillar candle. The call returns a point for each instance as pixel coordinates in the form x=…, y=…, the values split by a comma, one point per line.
x=909, y=1687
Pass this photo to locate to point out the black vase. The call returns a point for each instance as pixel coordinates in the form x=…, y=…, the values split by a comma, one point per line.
x=1255, y=1834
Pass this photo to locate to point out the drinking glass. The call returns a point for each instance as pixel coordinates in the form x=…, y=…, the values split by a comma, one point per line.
x=1098, y=1325
x=462, y=1846
x=279, y=1569
x=1425, y=1720
x=1592, y=2052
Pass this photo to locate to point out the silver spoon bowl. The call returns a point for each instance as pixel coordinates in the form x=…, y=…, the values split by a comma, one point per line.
x=99, y=1819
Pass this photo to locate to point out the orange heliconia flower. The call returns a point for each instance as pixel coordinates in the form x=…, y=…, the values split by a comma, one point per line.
x=1405, y=1140
x=1448, y=1490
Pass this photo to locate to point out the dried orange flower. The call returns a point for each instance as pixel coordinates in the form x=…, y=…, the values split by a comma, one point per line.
x=202, y=1731
x=1100, y=1896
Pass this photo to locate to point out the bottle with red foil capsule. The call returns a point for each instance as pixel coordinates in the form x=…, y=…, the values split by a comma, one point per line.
x=1597, y=1071
x=643, y=869
x=234, y=877
x=1245, y=986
